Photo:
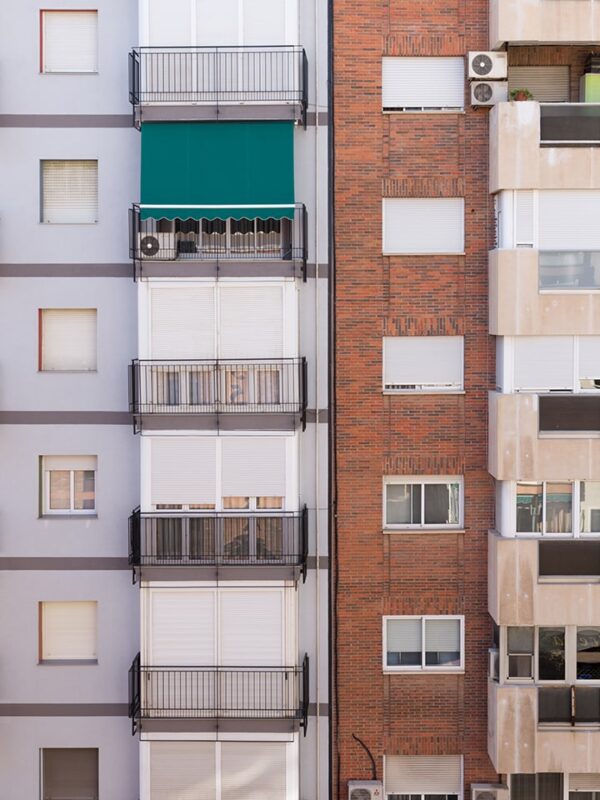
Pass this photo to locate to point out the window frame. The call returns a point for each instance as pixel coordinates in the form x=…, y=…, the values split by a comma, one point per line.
x=42, y=24
x=47, y=511
x=423, y=481
x=424, y=668
x=424, y=388
x=576, y=531
x=42, y=198
x=41, y=367
x=43, y=660
x=44, y=750
x=424, y=109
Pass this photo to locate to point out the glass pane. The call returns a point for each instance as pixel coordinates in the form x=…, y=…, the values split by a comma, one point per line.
x=202, y=538
x=559, y=507
x=441, y=503
x=403, y=642
x=403, y=504
x=201, y=382
x=266, y=386
x=442, y=642
x=529, y=507
x=589, y=496
x=236, y=385
x=520, y=639
x=60, y=489
x=269, y=538
x=84, y=490
x=551, y=658
x=520, y=666
x=522, y=787
x=236, y=538
x=569, y=270
x=168, y=538
x=269, y=502
x=550, y=786
x=588, y=654
x=236, y=502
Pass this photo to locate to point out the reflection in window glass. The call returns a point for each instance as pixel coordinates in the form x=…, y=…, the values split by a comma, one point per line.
x=589, y=506
x=403, y=504
x=442, y=642
x=60, y=489
x=84, y=489
x=441, y=503
x=520, y=652
x=404, y=643
x=588, y=654
x=529, y=507
x=559, y=507
x=551, y=654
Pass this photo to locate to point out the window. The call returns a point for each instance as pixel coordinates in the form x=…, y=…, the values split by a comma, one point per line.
x=569, y=561
x=541, y=786
x=423, y=777
x=546, y=84
x=423, y=503
x=67, y=339
x=568, y=363
x=69, y=484
x=68, y=631
x=423, y=363
x=413, y=225
x=69, y=41
x=584, y=786
x=557, y=507
x=69, y=192
x=70, y=772
x=520, y=645
x=423, y=643
x=423, y=84
x=556, y=654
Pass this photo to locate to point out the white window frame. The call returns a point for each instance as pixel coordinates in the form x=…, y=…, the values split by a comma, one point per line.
x=388, y=250
x=424, y=668
x=506, y=361
x=43, y=13
x=423, y=481
x=42, y=334
x=424, y=109
x=42, y=658
x=71, y=511
x=42, y=198
x=543, y=533
x=507, y=491
x=424, y=388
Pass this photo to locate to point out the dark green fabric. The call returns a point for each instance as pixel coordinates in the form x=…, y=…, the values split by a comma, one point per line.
x=228, y=164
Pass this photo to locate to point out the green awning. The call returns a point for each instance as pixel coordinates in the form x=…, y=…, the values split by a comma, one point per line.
x=233, y=169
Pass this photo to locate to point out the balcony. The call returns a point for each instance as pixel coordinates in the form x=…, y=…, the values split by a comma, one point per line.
x=280, y=240
x=529, y=434
x=535, y=293
x=539, y=22
x=183, y=698
x=265, y=394
x=273, y=544
x=225, y=83
x=544, y=145
x=543, y=729
x=536, y=581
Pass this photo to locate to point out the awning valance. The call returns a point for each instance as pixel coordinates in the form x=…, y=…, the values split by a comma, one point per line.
x=217, y=170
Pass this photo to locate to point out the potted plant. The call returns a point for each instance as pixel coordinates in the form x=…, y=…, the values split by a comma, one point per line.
x=521, y=94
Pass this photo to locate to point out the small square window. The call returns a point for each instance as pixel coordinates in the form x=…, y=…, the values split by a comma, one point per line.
x=423, y=643
x=70, y=772
x=69, y=41
x=67, y=340
x=69, y=192
x=68, y=631
x=69, y=484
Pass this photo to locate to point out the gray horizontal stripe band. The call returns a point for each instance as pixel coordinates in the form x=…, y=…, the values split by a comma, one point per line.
x=66, y=120
x=321, y=416
x=158, y=422
x=311, y=562
x=65, y=418
x=149, y=573
x=67, y=271
x=323, y=709
x=63, y=710
x=54, y=563
x=311, y=117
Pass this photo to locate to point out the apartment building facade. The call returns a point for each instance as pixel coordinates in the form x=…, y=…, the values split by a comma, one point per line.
x=164, y=272
x=466, y=623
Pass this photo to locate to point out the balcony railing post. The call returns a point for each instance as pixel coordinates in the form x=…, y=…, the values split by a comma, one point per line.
x=304, y=542
x=134, y=692
x=305, y=693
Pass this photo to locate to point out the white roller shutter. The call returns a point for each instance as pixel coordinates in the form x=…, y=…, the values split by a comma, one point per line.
x=251, y=628
x=182, y=771
x=253, y=466
x=569, y=219
x=423, y=774
x=70, y=462
x=253, y=770
x=423, y=82
x=524, y=218
x=403, y=635
x=544, y=362
x=70, y=191
x=182, y=470
x=69, y=630
x=442, y=635
x=251, y=322
x=183, y=323
x=584, y=781
x=263, y=22
x=427, y=361
x=218, y=24
x=70, y=41
x=546, y=84
x=183, y=628
x=589, y=357
x=169, y=23
x=423, y=225
x=68, y=339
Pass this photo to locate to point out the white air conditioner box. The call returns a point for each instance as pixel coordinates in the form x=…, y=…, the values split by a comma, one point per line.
x=488, y=93
x=489, y=791
x=489, y=65
x=365, y=790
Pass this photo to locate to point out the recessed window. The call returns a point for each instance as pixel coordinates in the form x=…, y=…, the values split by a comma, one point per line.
x=423, y=503
x=554, y=654
x=520, y=645
x=423, y=777
x=557, y=507
x=69, y=192
x=69, y=41
x=423, y=643
x=423, y=83
x=67, y=339
x=69, y=484
x=69, y=772
x=68, y=631
x=543, y=786
x=427, y=225
x=423, y=363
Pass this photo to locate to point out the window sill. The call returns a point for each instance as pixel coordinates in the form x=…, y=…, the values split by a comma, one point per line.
x=439, y=529
x=569, y=292
x=69, y=72
x=68, y=516
x=68, y=662
x=420, y=112
x=562, y=579
x=429, y=671
x=436, y=392
x=67, y=371
x=63, y=224
x=568, y=434
x=429, y=254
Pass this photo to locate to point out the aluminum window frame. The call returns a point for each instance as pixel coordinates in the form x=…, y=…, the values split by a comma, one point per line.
x=423, y=481
x=424, y=668
x=71, y=511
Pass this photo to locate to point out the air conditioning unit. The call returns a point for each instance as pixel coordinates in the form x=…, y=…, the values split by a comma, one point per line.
x=488, y=93
x=494, y=668
x=159, y=246
x=489, y=791
x=365, y=790
x=489, y=65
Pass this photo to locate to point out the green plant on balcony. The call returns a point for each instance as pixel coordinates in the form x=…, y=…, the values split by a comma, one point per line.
x=521, y=94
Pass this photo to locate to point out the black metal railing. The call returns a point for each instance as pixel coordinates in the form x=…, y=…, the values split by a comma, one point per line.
x=227, y=538
x=569, y=270
x=219, y=75
x=259, y=693
x=570, y=124
x=204, y=239
x=569, y=413
x=263, y=386
x=569, y=705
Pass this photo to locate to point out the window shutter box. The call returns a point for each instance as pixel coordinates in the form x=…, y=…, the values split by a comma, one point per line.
x=422, y=82
x=69, y=339
x=589, y=357
x=251, y=631
x=569, y=219
x=182, y=770
x=423, y=361
x=403, y=636
x=253, y=770
x=423, y=774
x=251, y=322
x=584, y=781
x=70, y=41
x=70, y=772
x=253, y=466
x=524, y=218
x=182, y=470
x=543, y=362
x=70, y=191
x=170, y=22
x=546, y=84
x=182, y=323
x=183, y=628
x=69, y=630
x=423, y=225
x=70, y=462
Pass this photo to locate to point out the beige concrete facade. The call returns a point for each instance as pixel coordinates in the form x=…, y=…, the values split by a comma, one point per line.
x=518, y=162
x=516, y=743
x=517, y=451
x=516, y=597
x=518, y=308
x=540, y=22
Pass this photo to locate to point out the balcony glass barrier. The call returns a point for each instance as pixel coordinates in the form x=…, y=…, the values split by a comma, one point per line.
x=569, y=270
x=569, y=705
x=568, y=413
x=572, y=559
x=570, y=124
